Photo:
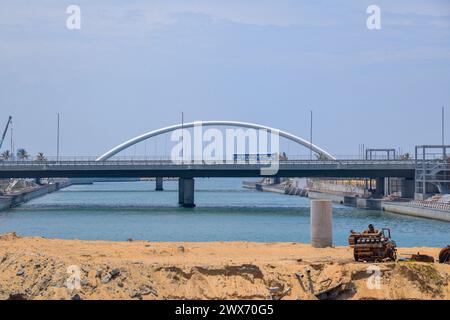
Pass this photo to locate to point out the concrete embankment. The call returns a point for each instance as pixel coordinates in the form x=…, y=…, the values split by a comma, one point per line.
x=438, y=212
x=336, y=198
x=5, y=202
x=273, y=188
x=400, y=207
x=347, y=200
x=21, y=196
x=416, y=211
x=264, y=188
x=14, y=200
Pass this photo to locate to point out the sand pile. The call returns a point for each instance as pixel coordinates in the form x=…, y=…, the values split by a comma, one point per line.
x=37, y=268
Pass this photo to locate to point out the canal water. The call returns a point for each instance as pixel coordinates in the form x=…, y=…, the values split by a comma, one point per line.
x=225, y=212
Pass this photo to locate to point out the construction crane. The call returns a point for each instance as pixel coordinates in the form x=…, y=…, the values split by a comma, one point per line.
x=6, y=130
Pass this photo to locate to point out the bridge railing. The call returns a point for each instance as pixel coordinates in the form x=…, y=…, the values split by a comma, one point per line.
x=167, y=158
x=28, y=163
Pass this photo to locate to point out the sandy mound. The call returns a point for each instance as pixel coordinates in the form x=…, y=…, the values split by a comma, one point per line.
x=9, y=236
x=37, y=268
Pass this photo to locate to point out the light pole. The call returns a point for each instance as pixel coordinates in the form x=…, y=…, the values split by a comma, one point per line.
x=182, y=135
x=443, y=122
x=57, y=136
x=12, y=142
x=311, y=135
x=444, y=156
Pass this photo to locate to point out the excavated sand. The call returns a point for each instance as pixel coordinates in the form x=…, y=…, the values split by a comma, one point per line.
x=38, y=268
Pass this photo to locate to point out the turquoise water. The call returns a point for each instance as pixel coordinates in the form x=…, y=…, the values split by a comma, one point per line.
x=225, y=212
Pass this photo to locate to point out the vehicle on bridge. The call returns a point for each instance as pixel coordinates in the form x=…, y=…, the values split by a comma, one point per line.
x=254, y=157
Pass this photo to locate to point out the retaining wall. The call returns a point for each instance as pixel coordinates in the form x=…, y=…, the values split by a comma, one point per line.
x=7, y=202
x=410, y=210
x=326, y=196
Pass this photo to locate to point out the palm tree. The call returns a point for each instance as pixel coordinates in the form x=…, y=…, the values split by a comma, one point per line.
x=321, y=157
x=22, y=154
x=6, y=155
x=405, y=156
x=41, y=157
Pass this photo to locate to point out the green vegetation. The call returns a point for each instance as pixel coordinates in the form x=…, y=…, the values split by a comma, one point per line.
x=6, y=155
x=22, y=154
x=321, y=156
x=41, y=157
x=405, y=156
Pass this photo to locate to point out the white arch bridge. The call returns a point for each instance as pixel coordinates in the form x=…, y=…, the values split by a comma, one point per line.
x=325, y=166
x=322, y=153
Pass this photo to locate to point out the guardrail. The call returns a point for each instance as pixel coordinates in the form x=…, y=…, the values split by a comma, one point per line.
x=429, y=204
x=167, y=158
x=27, y=163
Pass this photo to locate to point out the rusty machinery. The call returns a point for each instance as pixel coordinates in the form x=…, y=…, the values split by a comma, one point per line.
x=373, y=245
x=444, y=255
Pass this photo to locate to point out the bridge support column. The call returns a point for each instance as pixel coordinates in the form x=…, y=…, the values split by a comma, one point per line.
x=321, y=223
x=186, y=192
x=380, y=187
x=159, y=184
x=408, y=188
x=180, y=191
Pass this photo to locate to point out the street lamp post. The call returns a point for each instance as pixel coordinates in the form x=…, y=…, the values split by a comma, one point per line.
x=444, y=156
x=57, y=137
x=182, y=136
x=12, y=142
x=443, y=130
x=311, y=135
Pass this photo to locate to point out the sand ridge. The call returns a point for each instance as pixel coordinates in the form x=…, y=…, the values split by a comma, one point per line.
x=38, y=268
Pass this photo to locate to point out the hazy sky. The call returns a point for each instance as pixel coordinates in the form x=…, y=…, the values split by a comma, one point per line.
x=135, y=65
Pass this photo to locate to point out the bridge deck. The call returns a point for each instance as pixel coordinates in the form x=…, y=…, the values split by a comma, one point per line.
x=130, y=168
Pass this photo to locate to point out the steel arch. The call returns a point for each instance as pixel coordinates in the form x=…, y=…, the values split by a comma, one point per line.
x=157, y=132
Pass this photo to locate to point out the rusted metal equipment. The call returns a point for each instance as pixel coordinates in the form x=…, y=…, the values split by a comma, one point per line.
x=444, y=255
x=422, y=258
x=373, y=245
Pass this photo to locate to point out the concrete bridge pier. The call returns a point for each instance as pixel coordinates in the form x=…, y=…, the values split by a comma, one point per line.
x=186, y=192
x=408, y=188
x=159, y=184
x=321, y=223
x=180, y=191
x=380, y=187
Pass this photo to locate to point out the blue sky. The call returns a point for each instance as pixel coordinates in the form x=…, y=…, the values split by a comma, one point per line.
x=135, y=65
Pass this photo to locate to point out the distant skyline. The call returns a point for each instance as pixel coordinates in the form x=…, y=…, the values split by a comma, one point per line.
x=134, y=66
